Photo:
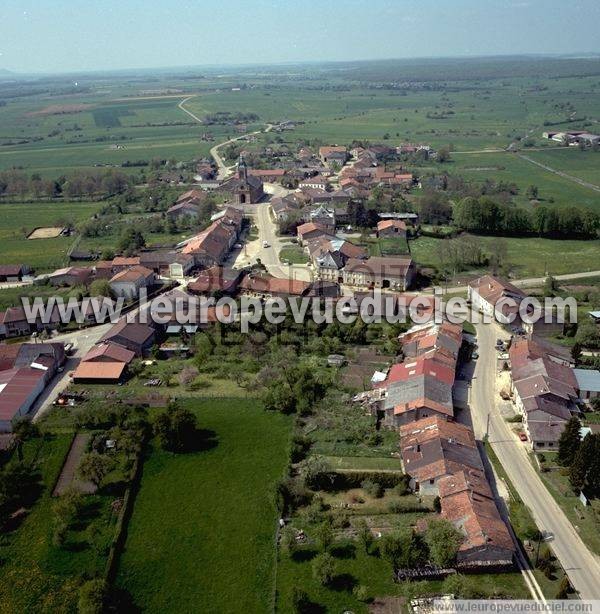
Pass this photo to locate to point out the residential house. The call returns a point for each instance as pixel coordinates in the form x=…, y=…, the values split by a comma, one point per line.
x=331, y=155
x=70, y=276
x=395, y=273
x=434, y=448
x=186, y=208
x=588, y=383
x=217, y=279
x=127, y=284
x=468, y=503
x=13, y=272
x=265, y=286
x=309, y=231
x=496, y=298
x=391, y=228
x=139, y=338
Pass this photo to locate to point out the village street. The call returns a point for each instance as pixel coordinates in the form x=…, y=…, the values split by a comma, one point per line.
x=581, y=565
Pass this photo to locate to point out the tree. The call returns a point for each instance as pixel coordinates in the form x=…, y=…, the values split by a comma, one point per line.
x=131, y=241
x=532, y=192
x=323, y=568
x=300, y=601
x=94, y=467
x=564, y=588
x=361, y=593
x=324, y=534
x=92, y=597
x=444, y=541
x=24, y=430
x=100, y=287
x=443, y=155
x=364, y=535
x=176, y=428
x=66, y=508
x=576, y=352
x=404, y=549
x=584, y=472
x=188, y=375
x=373, y=489
x=569, y=442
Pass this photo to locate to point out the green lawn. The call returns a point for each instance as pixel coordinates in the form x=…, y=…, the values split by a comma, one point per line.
x=293, y=254
x=201, y=538
x=584, y=518
x=364, y=463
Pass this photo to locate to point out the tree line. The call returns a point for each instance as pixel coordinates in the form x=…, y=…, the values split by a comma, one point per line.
x=90, y=183
x=486, y=216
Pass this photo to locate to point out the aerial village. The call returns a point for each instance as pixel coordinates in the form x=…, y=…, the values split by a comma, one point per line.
x=423, y=395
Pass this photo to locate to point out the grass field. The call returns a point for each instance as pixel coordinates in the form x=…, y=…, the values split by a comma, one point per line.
x=201, y=538
x=17, y=220
x=528, y=257
x=35, y=575
x=293, y=254
x=511, y=168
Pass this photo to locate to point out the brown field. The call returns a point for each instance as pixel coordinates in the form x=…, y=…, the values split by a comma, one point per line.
x=45, y=232
x=62, y=109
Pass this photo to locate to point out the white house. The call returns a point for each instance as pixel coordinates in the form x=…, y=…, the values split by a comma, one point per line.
x=128, y=283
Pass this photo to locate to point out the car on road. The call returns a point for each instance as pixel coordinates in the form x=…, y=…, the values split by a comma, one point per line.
x=522, y=436
x=266, y=244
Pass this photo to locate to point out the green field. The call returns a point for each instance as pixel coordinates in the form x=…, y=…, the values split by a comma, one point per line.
x=36, y=576
x=527, y=257
x=201, y=538
x=18, y=220
x=511, y=168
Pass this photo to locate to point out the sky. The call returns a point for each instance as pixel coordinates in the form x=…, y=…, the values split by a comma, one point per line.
x=83, y=35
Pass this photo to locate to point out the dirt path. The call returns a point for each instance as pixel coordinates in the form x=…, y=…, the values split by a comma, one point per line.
x=68, y=474
x=581, y=182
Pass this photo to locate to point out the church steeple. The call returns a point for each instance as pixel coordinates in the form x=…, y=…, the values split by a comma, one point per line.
x=242, y=169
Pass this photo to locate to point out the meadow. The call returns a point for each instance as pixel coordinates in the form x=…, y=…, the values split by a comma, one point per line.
x=525, y=257
x=202, y=533
x=18, y=220
x=36, y=575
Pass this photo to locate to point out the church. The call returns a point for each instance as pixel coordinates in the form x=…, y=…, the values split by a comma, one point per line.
x=244, y=187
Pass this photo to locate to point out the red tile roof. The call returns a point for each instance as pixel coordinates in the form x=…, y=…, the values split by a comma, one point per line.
x=109, y=350
x=99, y=370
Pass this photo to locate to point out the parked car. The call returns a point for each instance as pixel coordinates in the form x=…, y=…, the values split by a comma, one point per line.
x=522, y=436
x=474, y=355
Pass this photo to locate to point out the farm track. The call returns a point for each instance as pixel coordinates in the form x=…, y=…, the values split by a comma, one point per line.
x=581, y=182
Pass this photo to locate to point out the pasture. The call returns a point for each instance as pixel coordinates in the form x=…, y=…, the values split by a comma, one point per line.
x=202, y=534
x=526, y=257
x=43, y=254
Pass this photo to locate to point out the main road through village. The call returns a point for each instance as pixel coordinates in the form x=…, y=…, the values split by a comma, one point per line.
x=579, y=563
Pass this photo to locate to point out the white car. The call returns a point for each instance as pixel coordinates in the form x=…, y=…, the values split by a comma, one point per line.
x=266, y=244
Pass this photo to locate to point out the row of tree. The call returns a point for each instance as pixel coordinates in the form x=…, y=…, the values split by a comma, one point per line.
x=486, y=216
x=581, y=457
x=89, y=183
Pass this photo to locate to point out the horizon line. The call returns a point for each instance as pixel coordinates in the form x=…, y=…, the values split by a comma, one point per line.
x=582, y=55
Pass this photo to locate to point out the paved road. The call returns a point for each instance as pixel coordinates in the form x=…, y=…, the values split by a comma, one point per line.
x=269, y=256
x=83, y=341
x=580, y=564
